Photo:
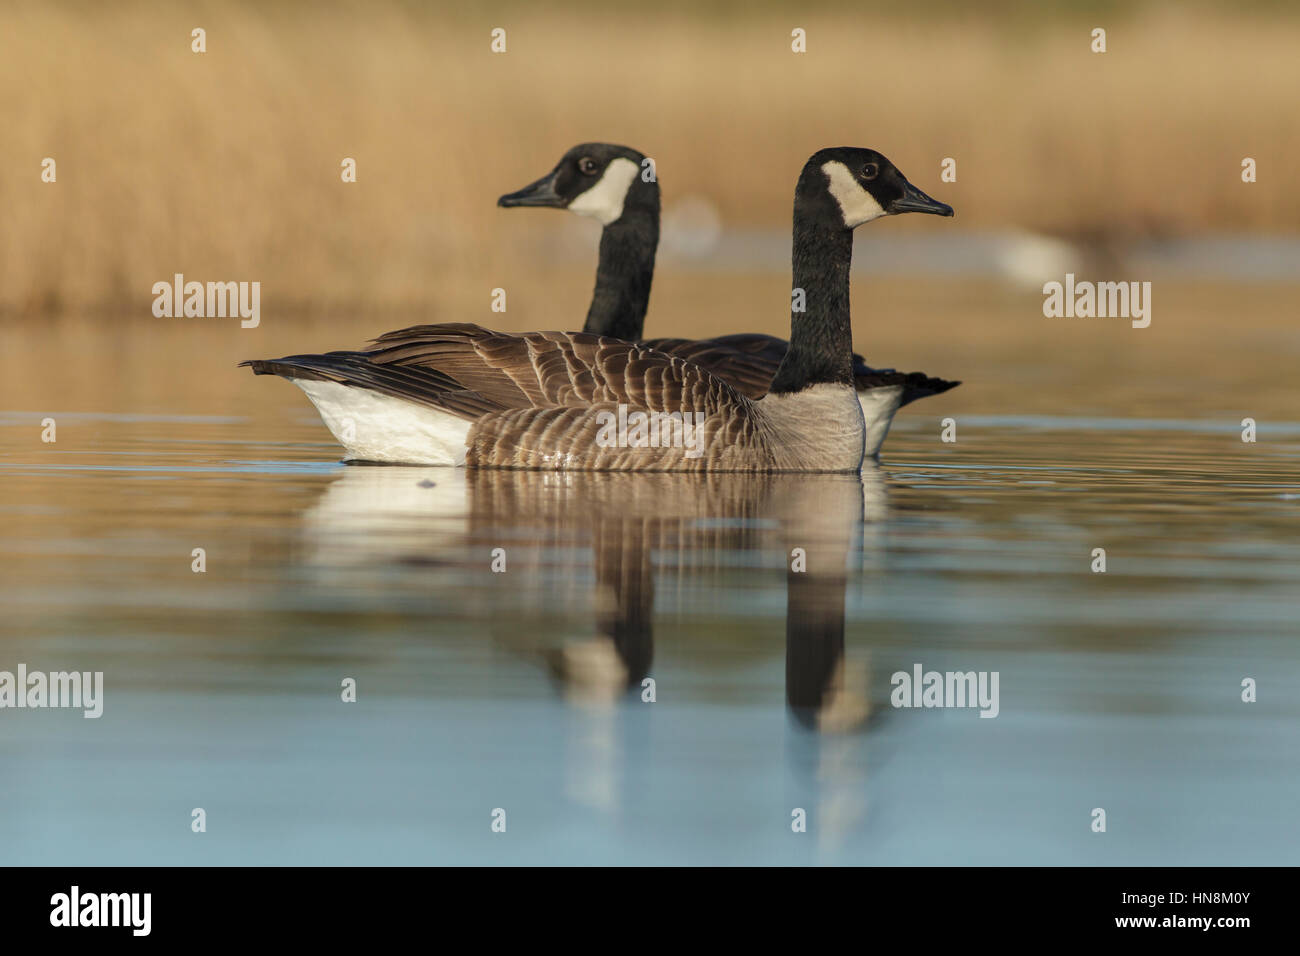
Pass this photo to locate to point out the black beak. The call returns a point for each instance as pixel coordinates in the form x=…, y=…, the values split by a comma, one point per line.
x=913, y=200
x=540, y=193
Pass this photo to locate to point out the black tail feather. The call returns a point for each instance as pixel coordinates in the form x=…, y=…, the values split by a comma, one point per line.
x=915, y=384
x=411, y=383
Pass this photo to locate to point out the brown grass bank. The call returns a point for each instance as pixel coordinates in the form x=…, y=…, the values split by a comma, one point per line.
x=225, y=165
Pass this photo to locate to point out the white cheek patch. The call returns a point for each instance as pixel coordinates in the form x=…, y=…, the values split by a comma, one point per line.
x=604, y=201
x=856, y=204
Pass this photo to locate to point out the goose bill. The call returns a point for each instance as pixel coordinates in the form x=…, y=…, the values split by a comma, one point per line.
x=913, y=200
x=540, y=193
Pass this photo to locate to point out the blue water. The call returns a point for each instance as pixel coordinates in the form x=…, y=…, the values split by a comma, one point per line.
x=522, y=690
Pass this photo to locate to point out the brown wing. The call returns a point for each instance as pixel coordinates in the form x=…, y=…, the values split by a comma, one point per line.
x=549, y=369
x=472, y=371
x=747, y=361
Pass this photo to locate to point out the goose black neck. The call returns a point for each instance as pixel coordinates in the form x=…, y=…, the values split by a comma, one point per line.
x=623, y=276
x=821, y=336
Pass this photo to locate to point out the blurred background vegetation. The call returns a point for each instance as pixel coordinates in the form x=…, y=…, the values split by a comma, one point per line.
x=226, y=165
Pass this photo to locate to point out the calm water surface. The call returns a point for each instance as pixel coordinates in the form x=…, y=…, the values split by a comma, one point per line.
x=522, y=689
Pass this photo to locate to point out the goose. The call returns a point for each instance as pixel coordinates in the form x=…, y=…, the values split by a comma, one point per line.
x=458, y=394
x=617, y=186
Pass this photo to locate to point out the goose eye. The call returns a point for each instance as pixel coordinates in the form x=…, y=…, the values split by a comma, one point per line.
x=870, y=171
x=587, y=165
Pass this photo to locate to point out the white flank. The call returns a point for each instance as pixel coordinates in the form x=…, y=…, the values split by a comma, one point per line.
x=878, y=408
x=375, y=427
x=604, y=201
x=856, y=204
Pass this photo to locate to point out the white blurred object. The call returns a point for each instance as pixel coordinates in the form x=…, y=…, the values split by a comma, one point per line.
x=690, y=229
x=1032, y=260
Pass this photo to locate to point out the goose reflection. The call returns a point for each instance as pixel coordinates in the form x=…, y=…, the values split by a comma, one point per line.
x=634, y=532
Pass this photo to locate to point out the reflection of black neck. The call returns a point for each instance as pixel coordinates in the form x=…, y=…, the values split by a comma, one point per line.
x=814, y=638
x=627, y=265
x=622, y=564
x=821, y=336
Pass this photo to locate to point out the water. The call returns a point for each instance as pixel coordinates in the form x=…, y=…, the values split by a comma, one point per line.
x=522, y=690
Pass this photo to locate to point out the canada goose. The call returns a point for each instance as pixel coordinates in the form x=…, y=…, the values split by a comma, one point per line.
x=618, y=187
x=458, y=394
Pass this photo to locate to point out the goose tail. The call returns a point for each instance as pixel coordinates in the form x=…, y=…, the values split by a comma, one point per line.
x=915, y=385
x=385, y=413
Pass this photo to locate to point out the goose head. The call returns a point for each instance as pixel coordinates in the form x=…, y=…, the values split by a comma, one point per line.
x=599, y=180
x=845, y=186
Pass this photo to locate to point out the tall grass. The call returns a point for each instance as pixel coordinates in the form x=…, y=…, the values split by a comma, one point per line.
x=225, y=165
